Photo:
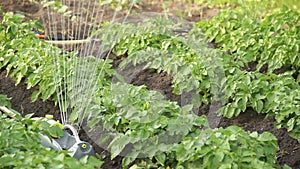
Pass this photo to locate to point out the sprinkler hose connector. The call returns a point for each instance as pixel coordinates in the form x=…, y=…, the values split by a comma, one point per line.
x=39, y=35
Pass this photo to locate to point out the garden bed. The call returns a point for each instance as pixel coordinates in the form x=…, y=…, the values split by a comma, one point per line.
x=250, y=120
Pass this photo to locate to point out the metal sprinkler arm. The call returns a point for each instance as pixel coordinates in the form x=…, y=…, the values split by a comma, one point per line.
x=68, y=42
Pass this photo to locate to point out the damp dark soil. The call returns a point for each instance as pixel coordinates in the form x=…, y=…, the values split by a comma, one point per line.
x=250, y=120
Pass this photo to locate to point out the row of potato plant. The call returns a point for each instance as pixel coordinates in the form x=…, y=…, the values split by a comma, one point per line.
x=136, y=117
x=22, y=54
x=273, y=40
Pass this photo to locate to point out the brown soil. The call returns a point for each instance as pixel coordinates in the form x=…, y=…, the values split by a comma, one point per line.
x=21, y=97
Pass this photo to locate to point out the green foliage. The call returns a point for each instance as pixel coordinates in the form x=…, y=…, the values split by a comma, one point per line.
x=272, y=44
x=256, y=8
x=271, y=41
x=22, y=54
x=5, y=101
x=119, y=4
x=28, y=58
x=243, y=89
x=20, y=147
x=140, y=123
x=155, y=43
x=89, y=74
x=218, y=3
x=141, y=117
x=214, y=149
x=274, y=95
x=57, y=6
x=157, y=129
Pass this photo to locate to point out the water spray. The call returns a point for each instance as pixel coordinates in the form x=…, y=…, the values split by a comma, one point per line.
x=75, y=91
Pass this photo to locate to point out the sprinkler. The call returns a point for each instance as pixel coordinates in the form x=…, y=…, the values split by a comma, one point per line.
x=70, y=141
